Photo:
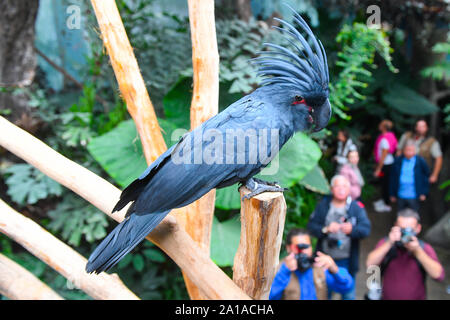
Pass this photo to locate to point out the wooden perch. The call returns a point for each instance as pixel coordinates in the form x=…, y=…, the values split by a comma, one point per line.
x=262, y=224
x=197, y=219
x=172, y=239
x=128, y=75
x=60, y=256
x=17, y=283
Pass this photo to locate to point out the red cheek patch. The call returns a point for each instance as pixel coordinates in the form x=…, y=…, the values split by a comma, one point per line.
x=299, y=102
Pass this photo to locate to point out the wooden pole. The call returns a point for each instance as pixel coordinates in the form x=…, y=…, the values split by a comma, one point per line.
x=213, y=282
x=262, y=224
x=60, y=256
x=128, y=75
x=17, y=283
x=197, y=219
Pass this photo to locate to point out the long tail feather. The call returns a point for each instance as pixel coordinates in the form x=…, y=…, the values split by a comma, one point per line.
x=127, y=235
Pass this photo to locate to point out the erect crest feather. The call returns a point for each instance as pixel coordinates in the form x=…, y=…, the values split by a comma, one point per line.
x=304, y=67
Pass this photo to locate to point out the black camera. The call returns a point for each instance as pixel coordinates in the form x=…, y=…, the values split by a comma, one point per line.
x=303, y=261
x=407, y=235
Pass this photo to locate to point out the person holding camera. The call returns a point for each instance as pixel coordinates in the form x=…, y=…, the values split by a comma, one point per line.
x=404, y=260
x=339, y=223
x=304, y=276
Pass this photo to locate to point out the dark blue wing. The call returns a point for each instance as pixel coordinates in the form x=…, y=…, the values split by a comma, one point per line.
x=169, y=183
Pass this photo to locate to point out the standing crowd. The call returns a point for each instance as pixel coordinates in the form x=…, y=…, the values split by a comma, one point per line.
x=406, y=170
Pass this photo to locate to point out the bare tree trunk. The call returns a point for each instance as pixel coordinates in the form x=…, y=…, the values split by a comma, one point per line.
x=17, y=57
x=244, y=9
x=197, y=219
x=18, y=283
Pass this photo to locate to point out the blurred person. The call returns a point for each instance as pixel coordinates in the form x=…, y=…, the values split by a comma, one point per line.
x=344, y=145
x=384, y=149
x=339, y=223
x=409, y=179
x=302, y=275
x=404, y=260
x=351, y=171
x=426, y=146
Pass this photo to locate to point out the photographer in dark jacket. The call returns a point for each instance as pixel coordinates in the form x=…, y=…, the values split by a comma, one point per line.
x=339, y=223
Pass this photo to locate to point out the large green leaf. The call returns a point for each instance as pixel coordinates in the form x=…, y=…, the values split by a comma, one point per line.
x=120, y=153
x=316, y=181
x=297, y=157
x=225, y=240
x=177, y=103
x=178, y=100
x=408, y=101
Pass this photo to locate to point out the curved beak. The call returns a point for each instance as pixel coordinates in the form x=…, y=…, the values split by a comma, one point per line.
x=322, y=116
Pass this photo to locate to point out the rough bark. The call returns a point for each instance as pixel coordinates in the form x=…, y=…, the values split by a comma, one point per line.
x=60, y=256
x=17, y=283
x=17, y=57
x=262, y=224
x=244, y=9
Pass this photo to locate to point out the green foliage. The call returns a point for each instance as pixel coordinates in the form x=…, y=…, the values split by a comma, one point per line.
x=316, y=181
x=443, y=186
x=123, y=141
x=238, y=42
x=225, y=238
x=405, y=100
x=27, y=185
x=151, y=274
x=300, y=204
x=439, y=70
x=74, y=218
x=359, y=45
x=161, y=42
x=447, y=116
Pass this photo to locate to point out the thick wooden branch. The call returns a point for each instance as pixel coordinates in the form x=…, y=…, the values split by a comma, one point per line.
x=17, y=283
x=60, y=256
x=172, y=239
x=128, y=75
x=197, y=220
x=262, y=224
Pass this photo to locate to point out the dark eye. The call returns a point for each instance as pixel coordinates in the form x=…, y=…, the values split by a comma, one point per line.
x=298, y=98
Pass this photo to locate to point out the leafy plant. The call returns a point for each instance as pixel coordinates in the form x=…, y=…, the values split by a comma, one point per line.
x=359, y=45
x=74, y=218
x=446, y=185
x=225, y=237
x=439, y=70
x=27, y=185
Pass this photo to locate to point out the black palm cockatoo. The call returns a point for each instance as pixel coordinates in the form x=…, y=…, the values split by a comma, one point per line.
x=293, y=97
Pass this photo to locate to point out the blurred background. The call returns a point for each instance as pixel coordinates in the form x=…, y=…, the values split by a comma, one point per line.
x=388, y=60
